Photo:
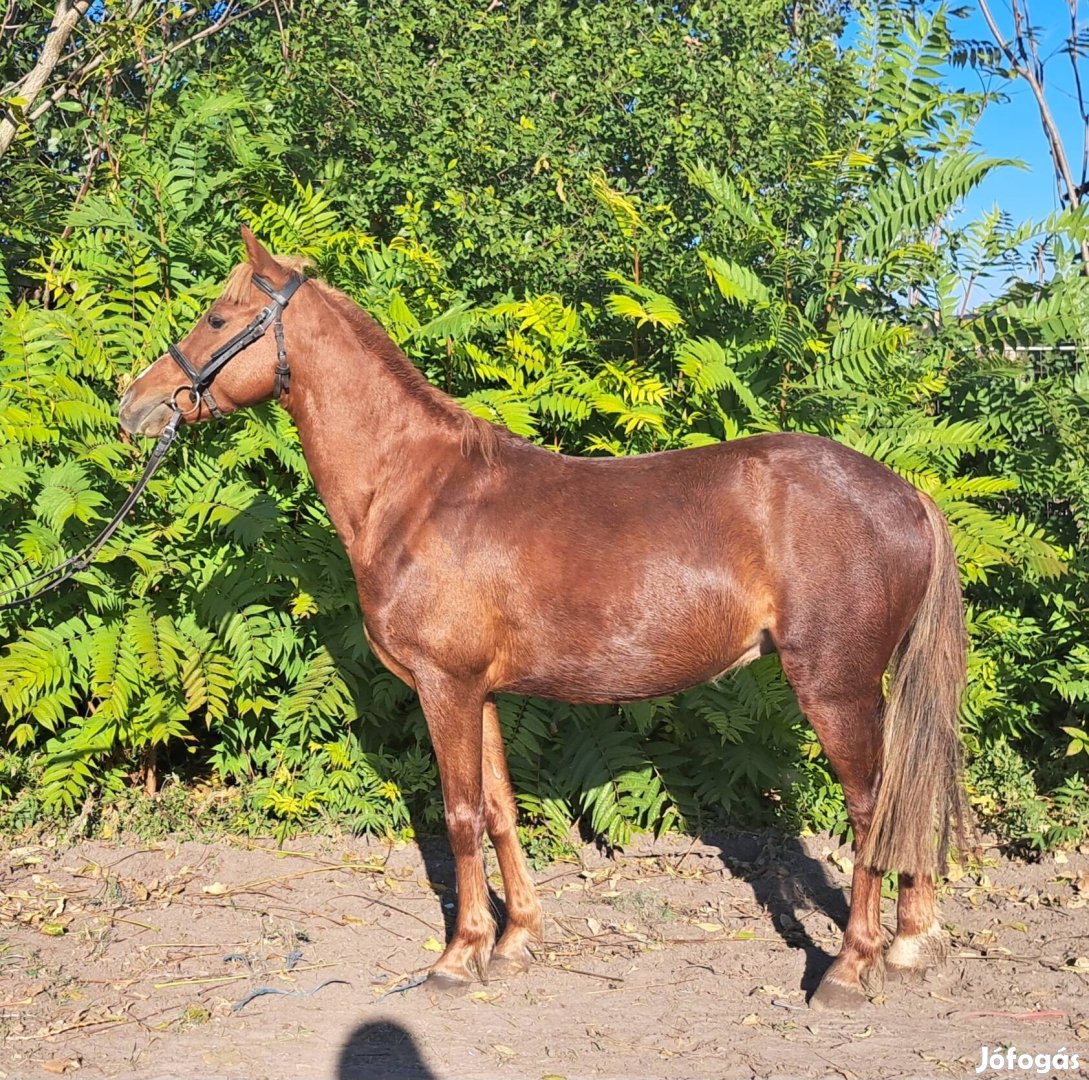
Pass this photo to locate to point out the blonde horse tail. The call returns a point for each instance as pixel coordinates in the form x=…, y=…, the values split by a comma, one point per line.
x=921, y=791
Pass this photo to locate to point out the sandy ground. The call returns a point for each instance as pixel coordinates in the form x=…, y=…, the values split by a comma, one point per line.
x=678, y=959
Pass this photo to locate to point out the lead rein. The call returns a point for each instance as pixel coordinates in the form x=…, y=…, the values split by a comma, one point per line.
x=74, y=564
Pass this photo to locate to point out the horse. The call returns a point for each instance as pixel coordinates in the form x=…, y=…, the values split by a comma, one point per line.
x=485, y=564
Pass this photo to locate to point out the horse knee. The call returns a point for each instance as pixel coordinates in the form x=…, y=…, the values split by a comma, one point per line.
x=500, y=815
x=465, y=825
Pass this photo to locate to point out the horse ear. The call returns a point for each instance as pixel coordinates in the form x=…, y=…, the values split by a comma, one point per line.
x=259, y=258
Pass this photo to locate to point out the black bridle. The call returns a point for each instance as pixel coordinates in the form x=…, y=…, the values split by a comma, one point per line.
x=199, y=390
x=200, y=382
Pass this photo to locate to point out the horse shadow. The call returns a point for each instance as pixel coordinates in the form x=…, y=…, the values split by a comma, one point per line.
x=786, y=880
x=438, y=862
x=382, y=1050
x=790, y=885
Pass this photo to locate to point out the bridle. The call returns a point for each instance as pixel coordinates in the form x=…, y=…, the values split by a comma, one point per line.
x=200, y=382
x=200, y=392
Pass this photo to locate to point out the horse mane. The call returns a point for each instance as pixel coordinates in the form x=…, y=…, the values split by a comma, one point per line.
x=476, y=433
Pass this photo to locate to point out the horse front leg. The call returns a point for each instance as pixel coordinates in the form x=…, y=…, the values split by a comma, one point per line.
x=523, y=929
x=454, y=715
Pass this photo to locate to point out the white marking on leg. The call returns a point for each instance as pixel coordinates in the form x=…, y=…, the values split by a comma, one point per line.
x=916, y=951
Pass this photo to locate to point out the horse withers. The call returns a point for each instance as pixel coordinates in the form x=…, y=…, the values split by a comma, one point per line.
x=485, y=563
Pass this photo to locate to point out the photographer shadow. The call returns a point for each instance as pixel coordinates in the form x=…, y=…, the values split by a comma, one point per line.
x=382, y=1050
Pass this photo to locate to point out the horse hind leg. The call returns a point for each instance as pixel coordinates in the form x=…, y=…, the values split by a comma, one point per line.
x=523, y=928
x=919, y=943
x=849, y=728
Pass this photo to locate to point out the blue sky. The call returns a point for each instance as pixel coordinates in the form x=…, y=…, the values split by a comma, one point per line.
x=1012, y=129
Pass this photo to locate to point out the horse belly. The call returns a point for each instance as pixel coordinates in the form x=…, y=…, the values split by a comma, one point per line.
x=648, y=642
x=628, y=674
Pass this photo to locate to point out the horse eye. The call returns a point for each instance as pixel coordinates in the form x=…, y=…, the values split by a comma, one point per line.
x=217, y=322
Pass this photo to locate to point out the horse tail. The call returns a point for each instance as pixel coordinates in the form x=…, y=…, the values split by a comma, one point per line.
x=921, y=791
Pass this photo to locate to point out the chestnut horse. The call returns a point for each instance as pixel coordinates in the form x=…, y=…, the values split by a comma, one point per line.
x=485, y=563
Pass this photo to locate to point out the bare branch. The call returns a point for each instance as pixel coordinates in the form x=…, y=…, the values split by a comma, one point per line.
x=229, y=16
x=1074, y=53
x=73, y=80
x=7, y=22
x=1026, y=69
x=284, y=51
x=65, y=88
x=1026, y=63
x=64, y=22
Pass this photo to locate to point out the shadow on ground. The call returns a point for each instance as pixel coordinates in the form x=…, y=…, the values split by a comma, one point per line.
x=439, y=861
x=382, y=1050
x=786, y=880
x=790, y=884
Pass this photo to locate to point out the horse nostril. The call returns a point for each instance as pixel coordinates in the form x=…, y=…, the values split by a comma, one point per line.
x=129, y=417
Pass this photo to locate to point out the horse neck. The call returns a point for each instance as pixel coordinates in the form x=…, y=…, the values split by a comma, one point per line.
x=373, y=432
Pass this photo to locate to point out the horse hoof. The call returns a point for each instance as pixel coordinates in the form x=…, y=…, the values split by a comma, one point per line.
x=903, y=976
x=837, y=996
x=912, y=956
x=445, y=984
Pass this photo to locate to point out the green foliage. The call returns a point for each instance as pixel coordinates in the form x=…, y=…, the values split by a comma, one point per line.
x=1004, y=789
x=613, y=230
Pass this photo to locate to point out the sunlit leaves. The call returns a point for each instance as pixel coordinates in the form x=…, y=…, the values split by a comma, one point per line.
x=705, y=362
x=657, y=310
x=738, y=284
x=915, y=200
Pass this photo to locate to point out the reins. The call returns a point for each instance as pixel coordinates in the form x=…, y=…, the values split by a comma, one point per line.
x=73, y=565
x=199, y=390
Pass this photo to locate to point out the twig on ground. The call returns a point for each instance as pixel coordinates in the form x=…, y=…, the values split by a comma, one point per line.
x=393, y=907
x=588, y=974
x=252, y=886
x=206, y=980
x=108, y=1020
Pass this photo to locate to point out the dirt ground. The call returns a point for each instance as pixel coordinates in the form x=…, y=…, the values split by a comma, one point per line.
x=678, y=959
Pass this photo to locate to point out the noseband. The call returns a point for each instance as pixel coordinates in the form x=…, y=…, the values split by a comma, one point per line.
x=199, y=390
x=200, y=382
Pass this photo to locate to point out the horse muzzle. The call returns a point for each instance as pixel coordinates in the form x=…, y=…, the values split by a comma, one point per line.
x=143, y=418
